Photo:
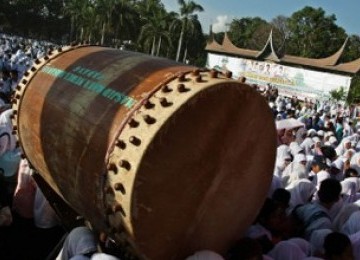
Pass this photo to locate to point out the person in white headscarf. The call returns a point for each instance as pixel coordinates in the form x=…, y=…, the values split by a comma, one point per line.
x=317, y=241
x=346, y=211
x=283, y=158
x=103, y=256
x=307, y=145
x=318, y=214
x=286, y=250
x=295, y=148
x=205, y=255
x=301, y=192
x=355, y=241
x=276, y=183
x=351, y=175
x=24, y=195
x=293, y=172
x=352, y=225
x=337, y=169
x=348, y=191
x=355, y=162
x=343, y=146
x=44, y=215
x=333, y=141
x=80, y=241
x=9, y=154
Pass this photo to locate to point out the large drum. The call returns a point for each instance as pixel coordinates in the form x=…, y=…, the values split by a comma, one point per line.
x=165, y=158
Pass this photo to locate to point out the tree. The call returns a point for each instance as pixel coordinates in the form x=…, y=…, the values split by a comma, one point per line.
x=280, y=23
x=242, y=30
x=125, y=20
x=73, y=9
x=313, y=34
x=354, y=91
x=352, y=51
x=338, y=94
x=186, y=10
x=155, y=31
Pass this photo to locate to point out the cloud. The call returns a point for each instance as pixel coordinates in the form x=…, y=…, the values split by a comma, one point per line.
x=220, y=23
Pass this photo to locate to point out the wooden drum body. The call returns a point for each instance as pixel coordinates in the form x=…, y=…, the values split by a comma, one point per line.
x=165, y=158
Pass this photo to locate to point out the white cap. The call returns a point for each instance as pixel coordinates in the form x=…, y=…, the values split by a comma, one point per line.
x=300, y=157
x=320, y=133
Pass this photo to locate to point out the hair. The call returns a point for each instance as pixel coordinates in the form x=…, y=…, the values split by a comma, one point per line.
x=329, y=191
x=335, y=244
x=281, y=196
x=245, y=248
x=351, y=172
x=267, y=209
x=329, y=152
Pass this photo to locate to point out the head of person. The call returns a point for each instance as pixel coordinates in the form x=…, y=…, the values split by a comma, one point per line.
x=272, y=216
x=351, y=172
x=318, y=163
x=328, y=152
x=281, y=196
x=337, y=246
x=347, y=144
x=245, y=248
x=329, y=192
x=300, y=158
x=205, y=255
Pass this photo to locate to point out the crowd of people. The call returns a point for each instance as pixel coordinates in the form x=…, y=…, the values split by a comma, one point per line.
x=312, y=210
x=313, y=205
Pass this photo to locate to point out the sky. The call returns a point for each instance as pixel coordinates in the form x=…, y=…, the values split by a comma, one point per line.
x=221, y=12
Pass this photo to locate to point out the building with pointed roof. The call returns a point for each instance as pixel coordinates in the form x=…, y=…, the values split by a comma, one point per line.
x=329, y=72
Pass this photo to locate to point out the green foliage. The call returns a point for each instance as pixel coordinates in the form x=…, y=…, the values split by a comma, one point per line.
x=354, y=92
x=313, y=34
x=338, y=94
x=352, y=50
x=242, y=30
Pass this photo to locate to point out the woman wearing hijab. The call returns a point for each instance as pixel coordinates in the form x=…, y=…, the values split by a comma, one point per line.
x=283, y=158
x=293, y=172
x=301, y=192
x=205, y=255
x=286, y=250
x=80, y=242
x=343, y=216
x=352, y=225
x=317, y=242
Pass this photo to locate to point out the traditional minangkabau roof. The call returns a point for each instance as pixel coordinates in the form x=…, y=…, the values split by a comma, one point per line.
x=268, y=53
x=227, y=47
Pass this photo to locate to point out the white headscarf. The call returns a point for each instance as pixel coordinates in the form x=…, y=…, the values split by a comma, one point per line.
x=355, y=162
x=317, y=241
x=295, y=148
x=348, y=188
x=346, y=211
x=307, y=145
x=80, y=241
x=103, y=256
x=286, y=250
x=7, y=142
x=340, y=149
x=352, y=225
x=294, y=172
x=301, y=191
x=355, y=241
x=282, y=153
x=205, y=255
x=276, y=183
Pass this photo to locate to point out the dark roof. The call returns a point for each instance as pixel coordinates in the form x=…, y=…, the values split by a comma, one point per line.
x=330, y=63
